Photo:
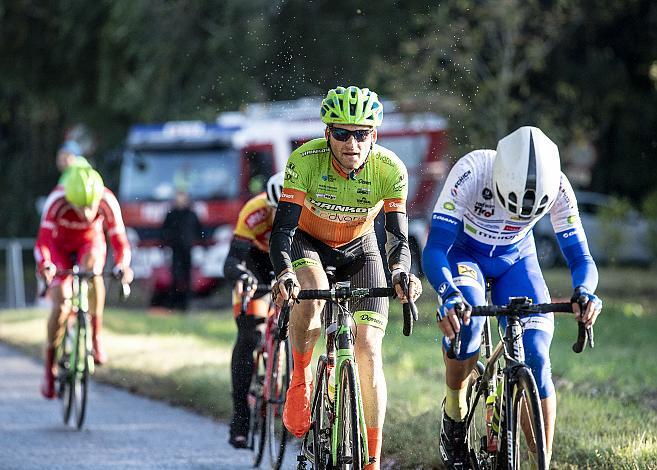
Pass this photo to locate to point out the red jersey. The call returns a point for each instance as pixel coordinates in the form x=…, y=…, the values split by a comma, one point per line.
x=63, y=229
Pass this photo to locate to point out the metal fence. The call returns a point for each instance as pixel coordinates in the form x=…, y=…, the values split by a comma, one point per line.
x=19, y=283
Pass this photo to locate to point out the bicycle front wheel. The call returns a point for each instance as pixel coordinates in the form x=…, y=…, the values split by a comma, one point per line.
x=257, y=409
x=279, y=381
x=350, y=445
x=525, y=421
x=477, y=436
x=316, y=444
x=66, y=372
x=80, y=374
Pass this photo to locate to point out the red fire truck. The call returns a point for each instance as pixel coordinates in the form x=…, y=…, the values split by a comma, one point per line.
x=224, y=163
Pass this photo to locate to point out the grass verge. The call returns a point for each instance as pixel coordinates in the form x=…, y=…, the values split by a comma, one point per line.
x=607, y=397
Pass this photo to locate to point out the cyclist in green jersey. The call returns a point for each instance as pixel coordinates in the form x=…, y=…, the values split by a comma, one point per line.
x=334, y=188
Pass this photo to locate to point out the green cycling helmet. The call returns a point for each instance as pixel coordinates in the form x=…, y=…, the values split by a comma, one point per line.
x=352, y=105
x=83, y=187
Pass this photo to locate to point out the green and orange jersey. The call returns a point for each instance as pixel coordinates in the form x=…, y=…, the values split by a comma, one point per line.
x=255, y=221
x=337, y=209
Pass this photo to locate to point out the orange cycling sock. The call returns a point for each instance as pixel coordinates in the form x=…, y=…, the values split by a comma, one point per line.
x=374, y=441
x=302, y=372
x=296, y=412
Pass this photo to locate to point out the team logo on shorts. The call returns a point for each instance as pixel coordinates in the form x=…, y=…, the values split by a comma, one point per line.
x=465, y=270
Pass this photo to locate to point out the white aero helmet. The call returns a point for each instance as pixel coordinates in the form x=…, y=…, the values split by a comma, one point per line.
x=526, y=172
x=275, y=188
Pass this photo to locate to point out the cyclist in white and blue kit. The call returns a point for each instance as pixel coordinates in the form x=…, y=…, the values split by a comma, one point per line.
x=482, y=228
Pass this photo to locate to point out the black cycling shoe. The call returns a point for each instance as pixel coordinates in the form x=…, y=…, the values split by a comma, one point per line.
x=454, y=443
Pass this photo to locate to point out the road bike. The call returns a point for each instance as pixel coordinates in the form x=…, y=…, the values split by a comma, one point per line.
x=73, y=356
x=337, y=438
x=272, y=369
x=505, y=418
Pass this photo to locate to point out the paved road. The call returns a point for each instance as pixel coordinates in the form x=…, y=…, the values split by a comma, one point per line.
x=122, y=430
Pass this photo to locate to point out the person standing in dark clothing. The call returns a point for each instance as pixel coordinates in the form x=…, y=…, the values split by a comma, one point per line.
x=180, y=230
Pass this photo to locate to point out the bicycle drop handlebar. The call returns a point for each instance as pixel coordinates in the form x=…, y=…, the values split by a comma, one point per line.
x=88, y=275
x=520, y=306
x=347, y=293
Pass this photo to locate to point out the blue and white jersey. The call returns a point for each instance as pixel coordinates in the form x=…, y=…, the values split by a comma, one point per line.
x=468, y=215
x=467, y=198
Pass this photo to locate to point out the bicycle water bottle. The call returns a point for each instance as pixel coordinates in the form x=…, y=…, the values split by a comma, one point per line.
x=331, y=384
x=491, y=432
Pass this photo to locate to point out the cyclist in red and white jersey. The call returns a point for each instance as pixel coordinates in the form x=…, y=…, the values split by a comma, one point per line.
x=72, y=231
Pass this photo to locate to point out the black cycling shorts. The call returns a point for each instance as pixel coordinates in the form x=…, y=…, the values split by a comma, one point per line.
x=359, y=261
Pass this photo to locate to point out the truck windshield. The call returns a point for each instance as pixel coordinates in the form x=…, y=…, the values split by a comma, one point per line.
x=156, y=175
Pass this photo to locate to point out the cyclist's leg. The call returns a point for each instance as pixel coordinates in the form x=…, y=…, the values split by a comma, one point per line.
x=91, y=257
x=60, y=296
x=304, y=328
x=371, y=317
x=469, y=278
x=250, y=336
x=524, y=278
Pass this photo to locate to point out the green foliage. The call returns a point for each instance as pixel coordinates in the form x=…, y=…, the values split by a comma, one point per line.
x=650, y=213
x=612, y=231
x=488, y=66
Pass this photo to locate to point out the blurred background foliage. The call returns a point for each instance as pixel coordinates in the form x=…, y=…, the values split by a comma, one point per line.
x=568, y=66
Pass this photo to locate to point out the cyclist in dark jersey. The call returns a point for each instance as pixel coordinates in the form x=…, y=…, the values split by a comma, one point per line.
x=247, y=261
x=334, y=188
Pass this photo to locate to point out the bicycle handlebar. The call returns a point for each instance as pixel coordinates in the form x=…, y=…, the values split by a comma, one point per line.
x=88, y=275
x=520, y=307
x=284, y=315
x=251, y=287
x=409, y=309
x=346, y=293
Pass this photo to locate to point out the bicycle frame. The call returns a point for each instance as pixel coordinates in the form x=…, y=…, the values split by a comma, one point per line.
x=80, y=306
x=509, y=347
x=74, y=369
x=340, y=348
x=516, y=376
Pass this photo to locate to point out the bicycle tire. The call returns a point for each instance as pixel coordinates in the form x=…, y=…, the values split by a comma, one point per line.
x=524, y=391
x=257, y=409
x=80, y=375
x=320, y=453
x=477, y=438
x=66, y=374
x=350, y=445
x=279, y=381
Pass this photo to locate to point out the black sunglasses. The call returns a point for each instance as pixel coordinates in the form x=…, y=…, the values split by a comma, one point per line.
x=343, y=135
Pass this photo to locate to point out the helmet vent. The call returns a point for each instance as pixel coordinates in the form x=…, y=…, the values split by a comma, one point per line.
x=528, y=201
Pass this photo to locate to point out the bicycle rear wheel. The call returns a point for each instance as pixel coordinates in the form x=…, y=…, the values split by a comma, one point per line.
x=279, y=381
x=80, y=374
x=525, y=421
x=257, y=409
x=350, y=443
